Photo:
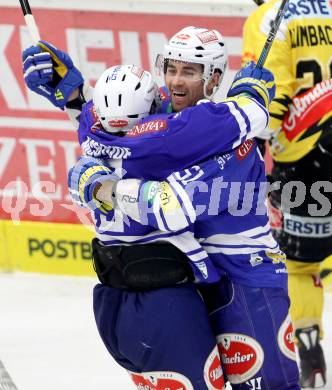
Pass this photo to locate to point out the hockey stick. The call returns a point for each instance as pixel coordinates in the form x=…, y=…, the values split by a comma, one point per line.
x=272, y=34
x=30, y=21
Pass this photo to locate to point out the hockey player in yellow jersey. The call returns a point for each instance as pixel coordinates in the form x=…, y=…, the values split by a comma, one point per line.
x=300, y=136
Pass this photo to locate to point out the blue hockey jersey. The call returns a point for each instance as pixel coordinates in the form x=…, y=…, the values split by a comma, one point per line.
x=224, y=198
x=162, y=144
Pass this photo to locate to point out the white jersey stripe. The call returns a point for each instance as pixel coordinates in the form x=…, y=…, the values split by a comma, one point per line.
x=182, y=194
x=238, y=239
x=157, y=210
x=239, y=251
x=251, y=233
x=241, y=122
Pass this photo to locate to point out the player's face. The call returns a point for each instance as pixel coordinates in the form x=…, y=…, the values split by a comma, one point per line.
x=185, y=83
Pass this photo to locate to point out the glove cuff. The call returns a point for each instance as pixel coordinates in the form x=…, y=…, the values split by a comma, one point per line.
x=67, y=86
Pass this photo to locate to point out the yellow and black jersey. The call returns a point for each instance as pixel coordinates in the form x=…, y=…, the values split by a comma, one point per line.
x=301, y=59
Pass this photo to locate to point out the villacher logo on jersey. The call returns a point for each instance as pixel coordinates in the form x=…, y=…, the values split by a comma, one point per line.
x=213, y=373
x=161, y=380
x=241, y=355
x=286, y=339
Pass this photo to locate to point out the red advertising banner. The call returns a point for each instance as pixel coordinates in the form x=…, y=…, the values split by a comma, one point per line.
x=37, y=143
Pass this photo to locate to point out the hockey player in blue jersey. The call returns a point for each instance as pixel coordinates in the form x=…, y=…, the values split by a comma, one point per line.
x=156, y=142
x=152, y=128
x=239, y=242
x=191, y=359
x=253, y=329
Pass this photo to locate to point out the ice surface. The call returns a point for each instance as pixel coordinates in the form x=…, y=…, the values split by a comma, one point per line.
x=49, y=341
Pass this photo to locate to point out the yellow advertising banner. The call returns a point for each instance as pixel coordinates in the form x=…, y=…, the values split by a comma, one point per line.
x=53, y=248
x=4, y=260
x=63, y=249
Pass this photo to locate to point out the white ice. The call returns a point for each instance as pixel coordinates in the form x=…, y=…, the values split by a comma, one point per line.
x=49, y=341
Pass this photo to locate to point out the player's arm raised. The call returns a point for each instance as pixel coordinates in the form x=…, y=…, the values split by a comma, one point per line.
x=50, y=72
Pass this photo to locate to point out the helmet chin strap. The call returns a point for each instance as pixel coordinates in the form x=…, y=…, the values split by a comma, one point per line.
x=207, y=79
x=215, y=88
x=206, y=95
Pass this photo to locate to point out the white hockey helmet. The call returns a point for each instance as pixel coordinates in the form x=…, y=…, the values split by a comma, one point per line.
x=200, y=46
x=124, y=95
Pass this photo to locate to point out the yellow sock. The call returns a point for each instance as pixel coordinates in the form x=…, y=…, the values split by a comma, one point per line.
x=306, y=294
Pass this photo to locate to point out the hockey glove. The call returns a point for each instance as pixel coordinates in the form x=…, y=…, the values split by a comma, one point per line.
x=259, y=83
x=51, y=73
x=85, y=178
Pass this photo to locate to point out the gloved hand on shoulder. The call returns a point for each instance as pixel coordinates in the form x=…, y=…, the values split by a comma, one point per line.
x=51, y=73
x=259, y=83
x=85, y=182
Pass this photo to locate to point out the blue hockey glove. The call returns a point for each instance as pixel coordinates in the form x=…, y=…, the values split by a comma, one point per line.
x=83, y=178
x=37, y=66
x=51, y=73
x=259, y=83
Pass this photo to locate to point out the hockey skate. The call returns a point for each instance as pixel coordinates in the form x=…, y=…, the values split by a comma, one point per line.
x=312, y=362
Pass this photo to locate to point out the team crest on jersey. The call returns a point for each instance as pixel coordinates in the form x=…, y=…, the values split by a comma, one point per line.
x=148, y=127
x=286, y=339
x=161, y=380
x=242, y=356
x=256, y=259
x=213, y=374
x=244, y=149
x=207, y=36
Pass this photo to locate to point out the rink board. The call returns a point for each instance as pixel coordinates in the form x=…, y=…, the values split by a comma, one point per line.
x=52, y=248
x=62, y=249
